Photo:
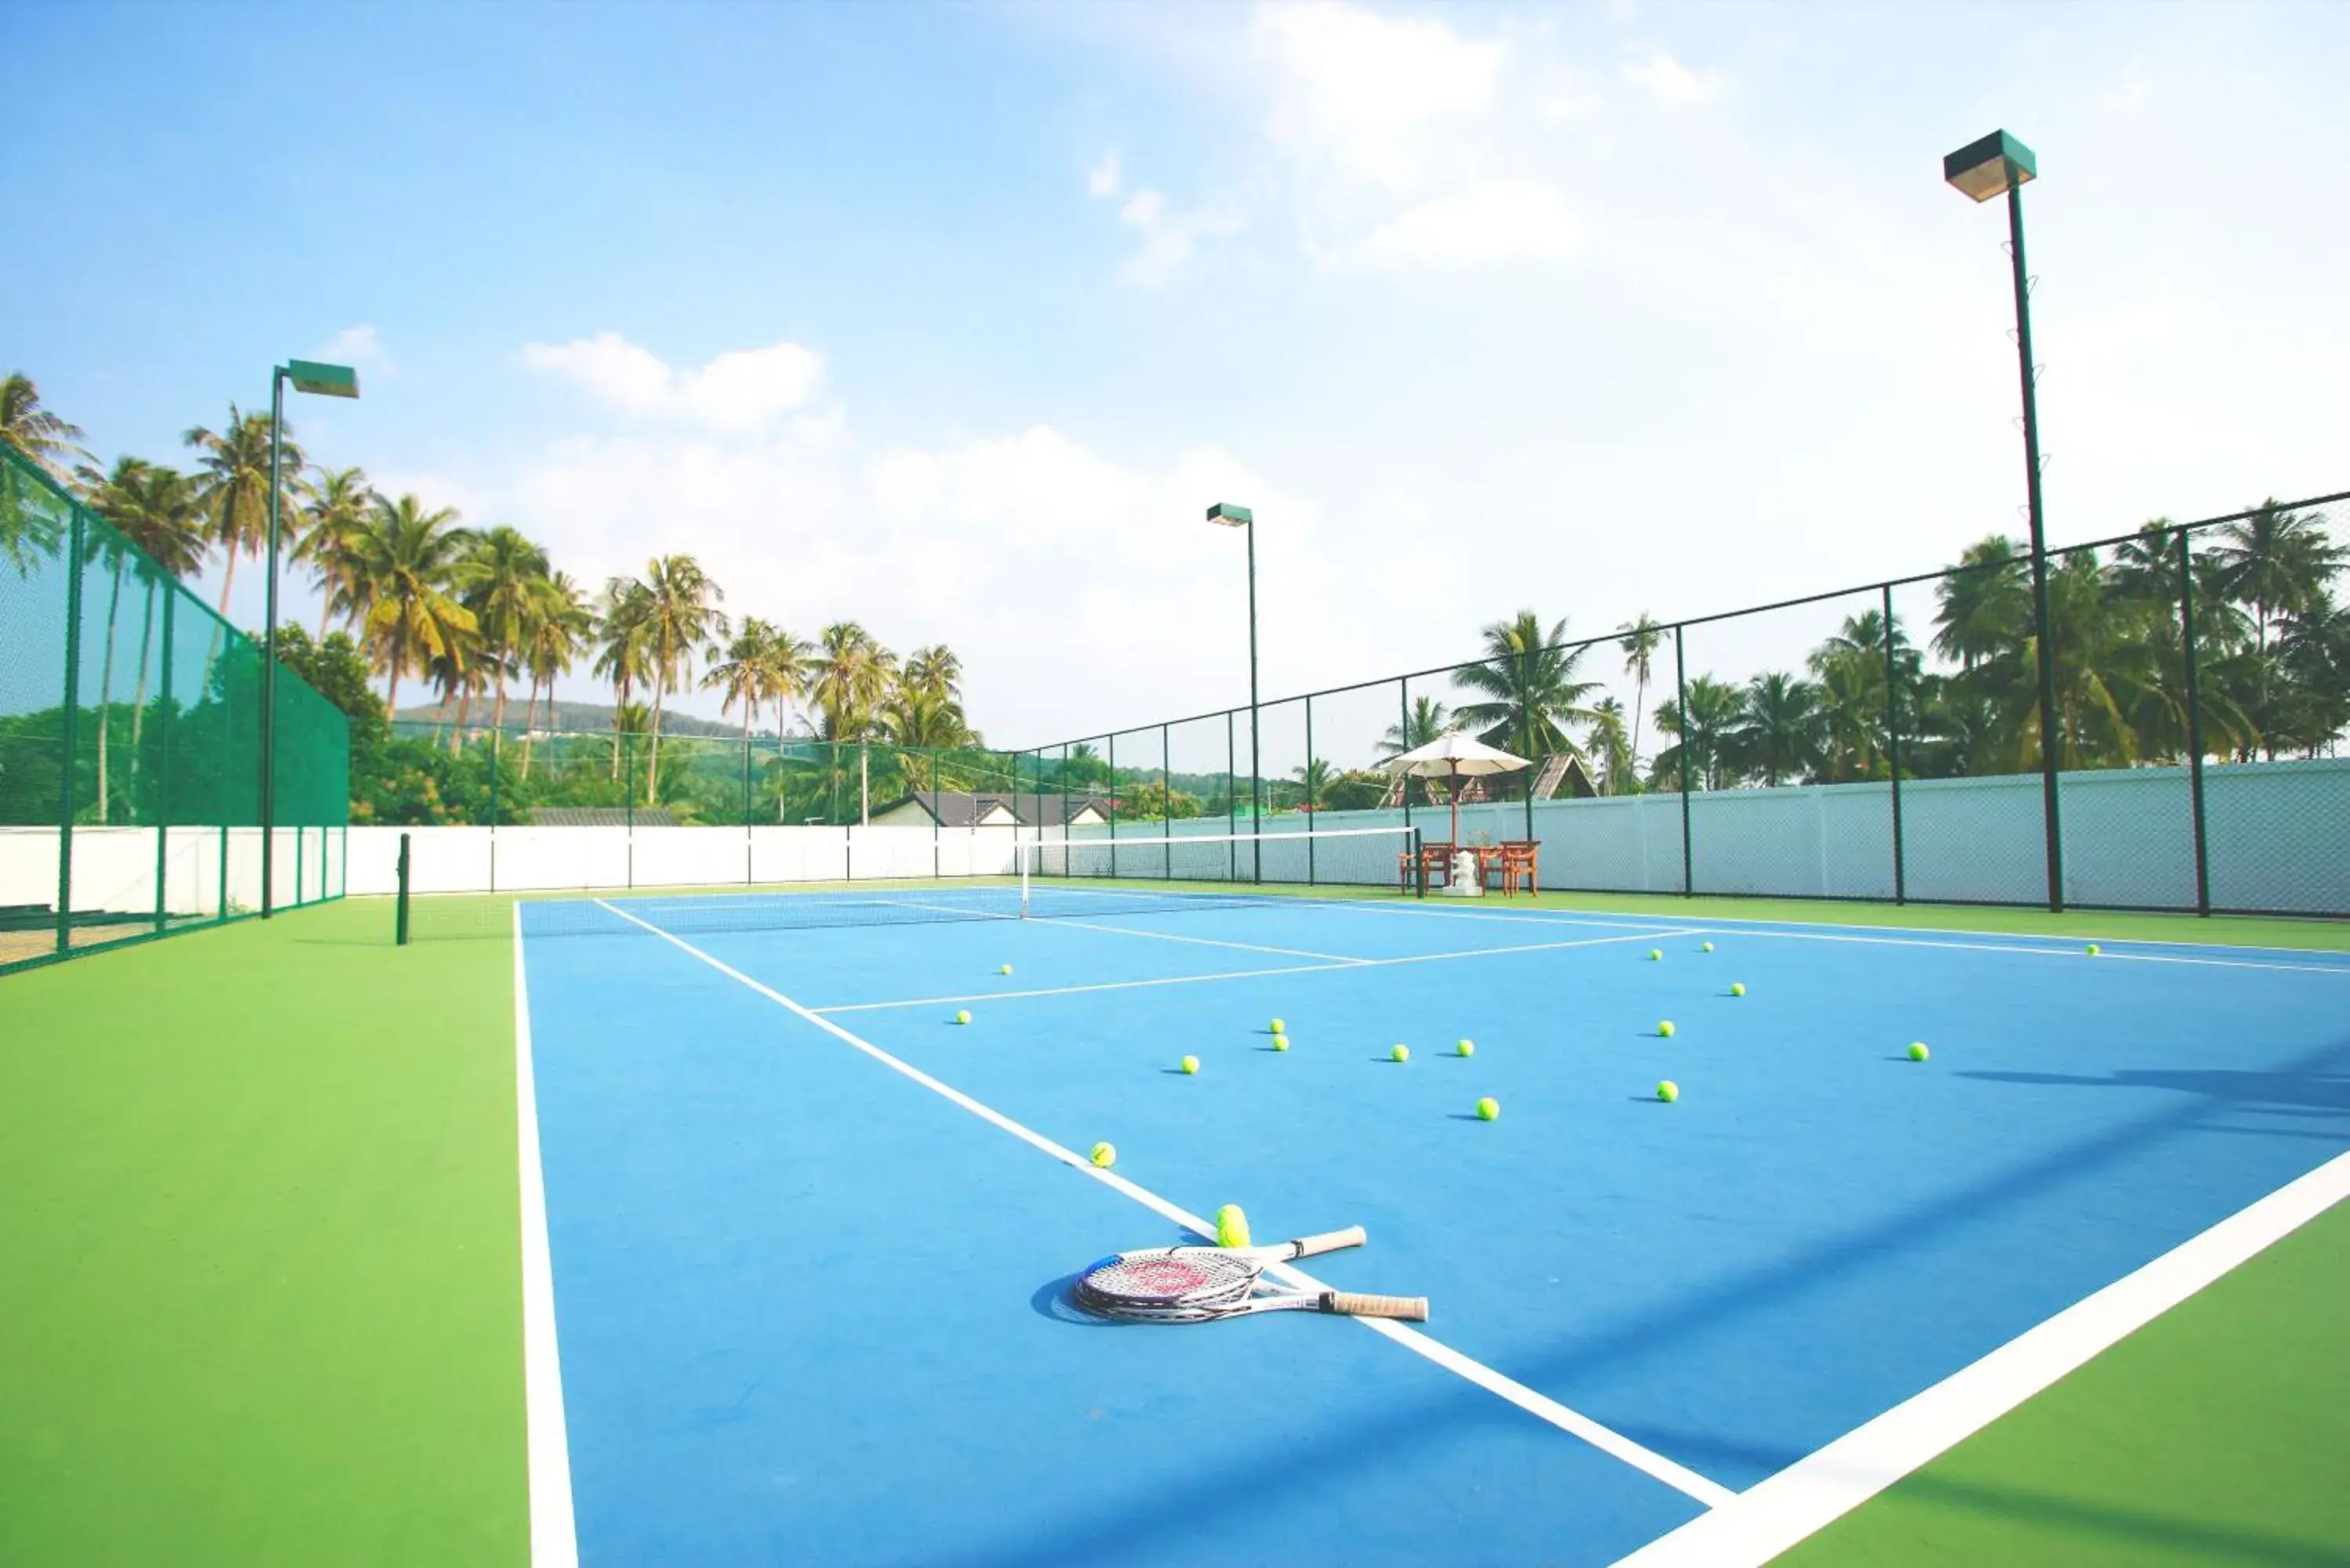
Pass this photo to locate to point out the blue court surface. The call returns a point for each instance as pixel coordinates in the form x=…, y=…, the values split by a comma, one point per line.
x=812, y=1239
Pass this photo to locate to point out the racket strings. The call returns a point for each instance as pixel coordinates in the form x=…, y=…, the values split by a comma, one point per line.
x=1200, y=1284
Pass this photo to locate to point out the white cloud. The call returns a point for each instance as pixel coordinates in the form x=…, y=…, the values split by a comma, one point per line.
x=1670, y=83
x=1170, y=237
x=361, y=347
x=2130, y=91
x=1501, y=221
x=1369, y=96
x=746, y=390
x=1102, y=178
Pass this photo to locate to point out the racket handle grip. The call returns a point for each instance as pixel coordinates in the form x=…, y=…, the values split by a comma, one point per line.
x=1411, y=1308
x=1328, y=1242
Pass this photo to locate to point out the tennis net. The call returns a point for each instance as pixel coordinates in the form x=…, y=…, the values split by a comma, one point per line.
x=1065, y=878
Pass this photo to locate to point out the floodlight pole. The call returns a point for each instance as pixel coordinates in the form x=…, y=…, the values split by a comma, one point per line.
x=1241, y=517
x=326, y=380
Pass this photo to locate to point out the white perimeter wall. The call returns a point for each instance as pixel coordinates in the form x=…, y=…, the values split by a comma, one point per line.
x=527, y=860
x=117, y=870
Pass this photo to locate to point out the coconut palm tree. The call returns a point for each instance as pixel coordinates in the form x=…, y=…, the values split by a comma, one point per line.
x=336, y=508
x=233, y=482
x=1530, y=680
x=43, y=437
x=2275, y=562
x=1780, y=730
x=1426, y=720
x=1611, y=744
x=1642, y=636
x=152, y=509
x=556, y=633
x=1705, y=733
x=407, y=617
x=934, y=670
x=682, y=617
x=741, y=673
x=1313, y=777
x=849, y=674
x=623, y=657
x=500, y=578
x=1984, y=607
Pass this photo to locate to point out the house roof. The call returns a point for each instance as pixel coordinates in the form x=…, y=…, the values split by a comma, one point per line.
x=961, y=808
x=600, y=816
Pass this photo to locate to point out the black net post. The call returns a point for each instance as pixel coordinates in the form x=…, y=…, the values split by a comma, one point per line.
x=1680, y=689
x=1893, y=744
x=1313, y=806
x=2194, y=720
x=71, y=716
x=1166, y=796
x=400, y=917
x=1232, y=800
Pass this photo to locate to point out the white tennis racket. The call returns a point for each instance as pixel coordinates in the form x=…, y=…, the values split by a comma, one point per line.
x=1200, y=1284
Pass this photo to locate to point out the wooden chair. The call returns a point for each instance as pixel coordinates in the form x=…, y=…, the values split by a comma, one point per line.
x=1489, y=866
x=1519, y=859
x=1435, y=866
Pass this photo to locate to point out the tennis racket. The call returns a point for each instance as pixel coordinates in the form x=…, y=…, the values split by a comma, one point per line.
x=1200, y=1284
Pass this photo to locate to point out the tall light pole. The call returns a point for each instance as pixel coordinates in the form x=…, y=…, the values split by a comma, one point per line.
x=1982, y=170
x=1227, y=515
x=326, y=382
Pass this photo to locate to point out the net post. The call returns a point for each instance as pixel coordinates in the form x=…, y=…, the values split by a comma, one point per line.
x=1167, y=798
x=1312, y=808
x=1418, y=865
x=399, y=915
x=2194, y=722
x=163, y=768
x=1893, y=747
x=1020, y=854
x=1232, y=803
x=71, y=716
x=1680, y=686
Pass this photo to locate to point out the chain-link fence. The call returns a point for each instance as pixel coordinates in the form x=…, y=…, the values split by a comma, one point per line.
x=1876, y=742
x=133, y=744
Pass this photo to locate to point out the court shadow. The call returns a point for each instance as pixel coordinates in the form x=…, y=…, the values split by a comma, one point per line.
x=2307, y=1092
x=1055, y=1301
x=1462, y=1117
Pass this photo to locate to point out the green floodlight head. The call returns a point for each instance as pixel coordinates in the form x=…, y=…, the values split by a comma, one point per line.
x=1230, y=516
x=324, y=380
x=1982, y=168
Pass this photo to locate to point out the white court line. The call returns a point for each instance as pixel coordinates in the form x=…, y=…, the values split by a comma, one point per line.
x=1205, y=941
x=1539, y=1406
x=1242, y=973
x=554, y=1537
x=2019, y=947
x=1773, y=1515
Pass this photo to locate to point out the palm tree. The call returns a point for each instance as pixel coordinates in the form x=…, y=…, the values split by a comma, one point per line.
x=1619, y=769
x=407, y=617
x=501, y=579
x=1984, y=607
x=555, y=634
x=1426, y=721
x=1316, y=776
x=1531, y=679
x=1704, y=732
x=740, y=672
x=682, y=617
x=1642, y=636
x=337, y=506
x=234, y=485
x=1780, y=730
x=45, y=438
x=623, y=617
x=2276, y=562
x=848, y=675
x=934, y=670
x=152, y=509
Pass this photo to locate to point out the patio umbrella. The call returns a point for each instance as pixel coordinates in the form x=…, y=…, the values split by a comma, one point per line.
x=1455, y=756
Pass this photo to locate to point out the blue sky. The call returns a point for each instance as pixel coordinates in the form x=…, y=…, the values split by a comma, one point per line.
x=955, y=318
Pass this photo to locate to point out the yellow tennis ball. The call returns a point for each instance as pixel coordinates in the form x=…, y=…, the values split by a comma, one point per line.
x=1466, y=1048
x=1665, y=1027
x=1281, y=1042
x=1655, y=954
x=1400, y=1054
x=1279, y=1027
x=1737, y=988
x=1488, y=1109
x=1191, y=1063
x=1104, y=1155
x=1232, y=1226
x=964, y=1016
x=1007, y=969
x=1668, y=1091
x=2093, y=949
x=1707, y=946
x=1917, y=1051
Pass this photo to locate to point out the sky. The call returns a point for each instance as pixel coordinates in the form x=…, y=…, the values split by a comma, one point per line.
x=954, y=320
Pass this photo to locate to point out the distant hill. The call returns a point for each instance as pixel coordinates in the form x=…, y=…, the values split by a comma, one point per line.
x=575, y=716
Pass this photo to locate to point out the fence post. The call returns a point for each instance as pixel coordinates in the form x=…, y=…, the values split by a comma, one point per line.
x=2194, y=722
x=1313, y=801
x=628, y=805
x=748, y=870
x=399, y=920
x=493, y=812
x=163, y=769
x=1893, y=746
x=1167, y=799
x=1110, y=744
x=1403, y=738
x=1231, y=802
x=70, y=717
x=1680, y=687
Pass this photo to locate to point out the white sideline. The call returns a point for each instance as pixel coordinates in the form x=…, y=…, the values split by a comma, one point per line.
x=1774, y=1514
x=1542, y=1408
x=1240, y=973
x=553, y=1536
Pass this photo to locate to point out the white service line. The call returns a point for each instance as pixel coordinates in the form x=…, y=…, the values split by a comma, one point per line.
x=1615, y=1444
x=1240, y=973
x=2023, y=946
x=554, y=1537
x=1774, y=1514
x=1203, y=941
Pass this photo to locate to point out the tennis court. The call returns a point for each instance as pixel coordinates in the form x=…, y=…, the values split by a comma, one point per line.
x=806, y=1241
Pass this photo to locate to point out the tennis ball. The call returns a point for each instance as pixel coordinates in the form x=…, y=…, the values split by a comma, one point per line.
x=1007, y=969
x=1706, y=947
x=1466, y=1048
x=1655, y=954
x=1737, y=988
x=964, y=1016
x=1191, y=1063
x=1279, y=1027
x=1104, y=1156
x=1400, y=1054
x=1232, y=1226
x=1281, y=1042
x=1917, y=1051
x=1668, y=1091
x=1488, y=1109
x=2093, y=949
x=1665, y=1028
